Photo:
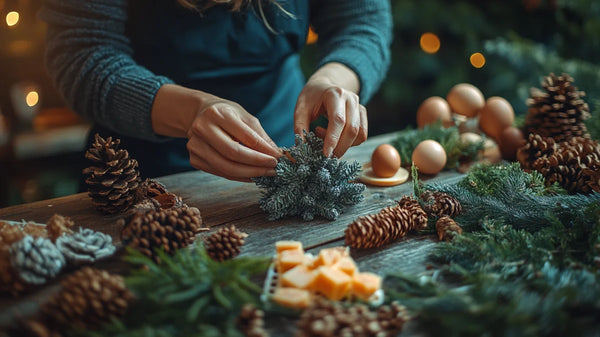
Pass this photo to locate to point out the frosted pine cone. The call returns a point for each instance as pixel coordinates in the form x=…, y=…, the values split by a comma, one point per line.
x=36, y=260
x=113, y=178
x=447, y=228
x=224, y=244
x=168, y=230
x=441, y=204
x=88, y=298
x=58, y=225
x=85, y=246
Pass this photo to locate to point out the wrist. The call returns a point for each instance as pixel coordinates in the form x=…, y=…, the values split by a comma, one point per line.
x=338, y=75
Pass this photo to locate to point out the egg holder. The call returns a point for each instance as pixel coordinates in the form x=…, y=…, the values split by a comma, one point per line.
x=272, y=278
x=368, y=177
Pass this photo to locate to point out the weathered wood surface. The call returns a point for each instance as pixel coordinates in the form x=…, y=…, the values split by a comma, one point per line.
x=224, y=202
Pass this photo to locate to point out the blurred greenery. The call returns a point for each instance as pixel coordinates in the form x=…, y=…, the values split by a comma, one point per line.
x=522, y=40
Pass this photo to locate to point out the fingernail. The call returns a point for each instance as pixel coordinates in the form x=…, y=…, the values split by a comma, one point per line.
x=271, y=173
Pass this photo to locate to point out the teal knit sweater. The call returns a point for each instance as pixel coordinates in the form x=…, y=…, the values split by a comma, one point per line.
x=108, y=58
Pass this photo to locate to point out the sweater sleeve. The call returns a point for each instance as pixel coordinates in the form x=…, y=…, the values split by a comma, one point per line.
x=89, y=58
x=358, y=34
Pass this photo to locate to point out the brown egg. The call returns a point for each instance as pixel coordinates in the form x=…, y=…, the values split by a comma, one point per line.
x=385, y=161
x=432, y=110
x=497, y=114
x=429, y=157
x=465, y=99
x=511, y=139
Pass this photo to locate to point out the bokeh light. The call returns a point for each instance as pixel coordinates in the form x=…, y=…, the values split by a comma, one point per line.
x=32, y=98
x=12, y=18
x=430, y=43
x=477, y=60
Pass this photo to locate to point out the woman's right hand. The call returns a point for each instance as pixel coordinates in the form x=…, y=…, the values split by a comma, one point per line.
x=224, y=139
x=227, y=141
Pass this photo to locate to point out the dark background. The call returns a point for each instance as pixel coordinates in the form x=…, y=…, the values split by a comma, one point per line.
x=521, y=40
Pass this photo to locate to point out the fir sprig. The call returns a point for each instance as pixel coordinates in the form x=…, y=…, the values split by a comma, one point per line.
x=308, y=184
x=188, y=294
x=408, y=139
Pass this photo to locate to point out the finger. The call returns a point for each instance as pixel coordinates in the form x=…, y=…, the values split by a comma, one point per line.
x=336, y=113
x=234, y=151
x=237, y=128
x=320, y=132
x=351, y=128
x=363, y=133
x=254, y=124
x=302, y=116
x=200, y=164
x=210, y=160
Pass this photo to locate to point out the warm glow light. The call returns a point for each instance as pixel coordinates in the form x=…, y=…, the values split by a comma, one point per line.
x=430, y=43
x=32, y=98
x=477, y=60
x=312, y=37
x=12, y=18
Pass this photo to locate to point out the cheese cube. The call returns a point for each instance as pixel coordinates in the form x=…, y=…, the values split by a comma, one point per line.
x=347, y=265
x=298, y=277
x=329, y=256
x=288, y=259
x=365, y=284
x=288, y=245
x=292, y=297
x=332, y=282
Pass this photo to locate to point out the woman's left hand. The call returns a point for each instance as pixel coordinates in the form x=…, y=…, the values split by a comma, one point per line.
x=331, y=92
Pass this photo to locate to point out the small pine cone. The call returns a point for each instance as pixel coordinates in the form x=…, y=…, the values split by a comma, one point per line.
x=251, y=322
x=224, y=244
x=58, y=225
x=36, y=260
x=113, y=178
x=153, y=195
x=10, y=233
x=375, y=230
x=10, y=282
x=447, y=228
x=441, y=204
x=168, y=230
x=85, y=246
x=535, y=147
x=392, y=317
x=417, y=214
x=88, y=298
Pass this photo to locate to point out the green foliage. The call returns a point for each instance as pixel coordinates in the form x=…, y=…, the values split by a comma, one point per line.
x=593, y=123
x=188, y=294
x=408, y=139
x=308, y=184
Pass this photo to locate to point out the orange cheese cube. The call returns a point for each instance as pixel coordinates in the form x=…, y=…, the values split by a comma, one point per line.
x=329, y=256
x=365, y=284
x=292, y=297
x=298, y=277
x=288, y=259
x=332, y=282
x=280, y=246
x=347, y=265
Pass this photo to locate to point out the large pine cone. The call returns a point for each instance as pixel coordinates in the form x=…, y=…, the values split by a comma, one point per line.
x=417, y=214
x=440, y=204
x=224, y=244
x=36, y=260
x=88, y=298
x=536, y=147
x=85, y=246
x=375, y=230
x=168, y=230
x=113, y=178
x=558, y=111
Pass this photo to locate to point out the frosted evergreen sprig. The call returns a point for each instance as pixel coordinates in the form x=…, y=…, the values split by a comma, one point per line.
x=308, y=184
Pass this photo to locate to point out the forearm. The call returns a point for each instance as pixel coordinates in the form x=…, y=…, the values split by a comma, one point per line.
x=337, y=75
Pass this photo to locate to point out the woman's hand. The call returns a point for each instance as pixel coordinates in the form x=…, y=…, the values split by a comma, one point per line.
x=224, y=139
x=331, y=92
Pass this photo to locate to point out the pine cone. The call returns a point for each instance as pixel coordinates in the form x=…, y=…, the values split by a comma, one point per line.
x=88, y=298
x=440, y=204
x=32, y=328
x=168, y=230
x=251, y=322
x=10, y=234
x=113, y=178
x=447, y=228
x=10, y=282
x=375, y=230
x=153, y=195
x=558, y=111
x=58, y=225
x=36, y=260
x=328, y=318
x=417, y=214
x=85, y=246
x=536, y=147
x=224, y=244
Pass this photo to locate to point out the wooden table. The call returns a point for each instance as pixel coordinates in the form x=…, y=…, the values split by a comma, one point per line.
x=224, y=202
